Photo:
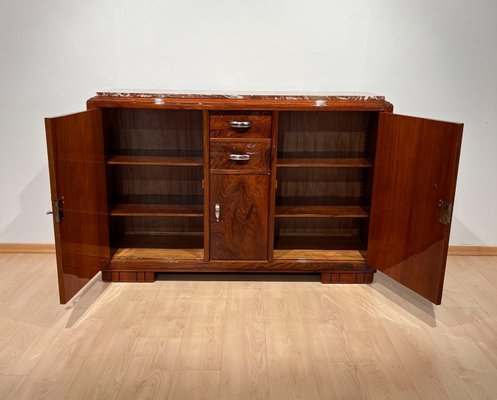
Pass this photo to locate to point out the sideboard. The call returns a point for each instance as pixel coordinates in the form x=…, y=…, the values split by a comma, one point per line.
x=339, y=185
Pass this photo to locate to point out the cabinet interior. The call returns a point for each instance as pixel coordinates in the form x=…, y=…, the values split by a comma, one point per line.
x=249, y=183
x=154, y=185
x=155, y=172
x=324, y=180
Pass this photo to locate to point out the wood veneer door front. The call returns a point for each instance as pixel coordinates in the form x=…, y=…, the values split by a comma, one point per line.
x=241, y=232
x=77, y=177
x=415, y=170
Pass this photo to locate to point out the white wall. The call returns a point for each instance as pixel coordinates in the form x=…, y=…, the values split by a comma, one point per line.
x=53, y=56
x=432, y=59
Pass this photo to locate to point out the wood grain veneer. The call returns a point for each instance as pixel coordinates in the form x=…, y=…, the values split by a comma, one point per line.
x=319, y=227
x=260, y=155
x=77, y=175
x=152, y=225
x=160, y=246
x=406, y=239
x=320, y=186
x=241, y=232
x=313, y=254
x=141, y=132
x=260, y=124
x=155, y=184
x=319, y=242
x=284, y=266
x=322, y=134
x=316, y=164
x=321, y=172
x=158, y=253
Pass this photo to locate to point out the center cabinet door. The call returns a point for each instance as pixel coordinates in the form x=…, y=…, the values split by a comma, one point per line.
x=238, y=217
x=414, y=183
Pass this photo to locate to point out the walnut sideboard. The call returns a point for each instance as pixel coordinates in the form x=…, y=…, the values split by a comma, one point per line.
x=145, y=183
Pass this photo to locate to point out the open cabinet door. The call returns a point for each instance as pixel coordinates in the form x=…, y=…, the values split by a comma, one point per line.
x=413, y=191
x=77, y=178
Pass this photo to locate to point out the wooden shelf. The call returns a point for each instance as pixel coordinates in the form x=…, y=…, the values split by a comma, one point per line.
x=156, y=160
x=321, y=212
x=313, y=254
x=324, y=163
x=157, y=210
x=341, y=248
x=161, y=247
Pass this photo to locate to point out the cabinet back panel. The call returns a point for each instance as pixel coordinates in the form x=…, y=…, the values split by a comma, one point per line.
x=318, y=226
x=169, y=133
x=319, y=234
x=156, y=225
x=323, y=134
x=155, y=233
x=318, y=243
x=156, y=185
x=320, y=186
x=154, y=132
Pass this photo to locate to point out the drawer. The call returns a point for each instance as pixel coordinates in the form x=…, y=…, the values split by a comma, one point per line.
x=226, y=124
x=240, y=156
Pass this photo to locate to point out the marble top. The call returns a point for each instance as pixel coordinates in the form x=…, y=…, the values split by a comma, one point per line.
x=242, y=95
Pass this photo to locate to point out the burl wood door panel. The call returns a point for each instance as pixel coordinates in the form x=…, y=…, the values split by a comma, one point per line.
x=240, y=230
x=415, y=170
x=77, y=176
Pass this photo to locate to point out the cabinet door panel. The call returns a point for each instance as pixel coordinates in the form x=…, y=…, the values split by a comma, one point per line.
x=77, y=176
x=241, y=232
x=415, y=169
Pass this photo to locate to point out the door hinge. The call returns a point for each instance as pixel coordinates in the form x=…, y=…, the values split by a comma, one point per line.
x=445, y=212
x=58, y=209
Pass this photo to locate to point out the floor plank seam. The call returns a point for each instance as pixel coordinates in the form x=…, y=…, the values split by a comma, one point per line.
x=175, y=370
x=228, y=297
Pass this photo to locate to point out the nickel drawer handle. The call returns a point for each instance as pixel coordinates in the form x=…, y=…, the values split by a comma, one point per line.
x=240, y=157
x=240, y=124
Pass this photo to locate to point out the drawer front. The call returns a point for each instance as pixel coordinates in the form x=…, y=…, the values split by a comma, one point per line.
x=240, y=125
x=240, y=156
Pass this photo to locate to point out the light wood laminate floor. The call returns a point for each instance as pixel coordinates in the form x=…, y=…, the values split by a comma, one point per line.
x=200, y=337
